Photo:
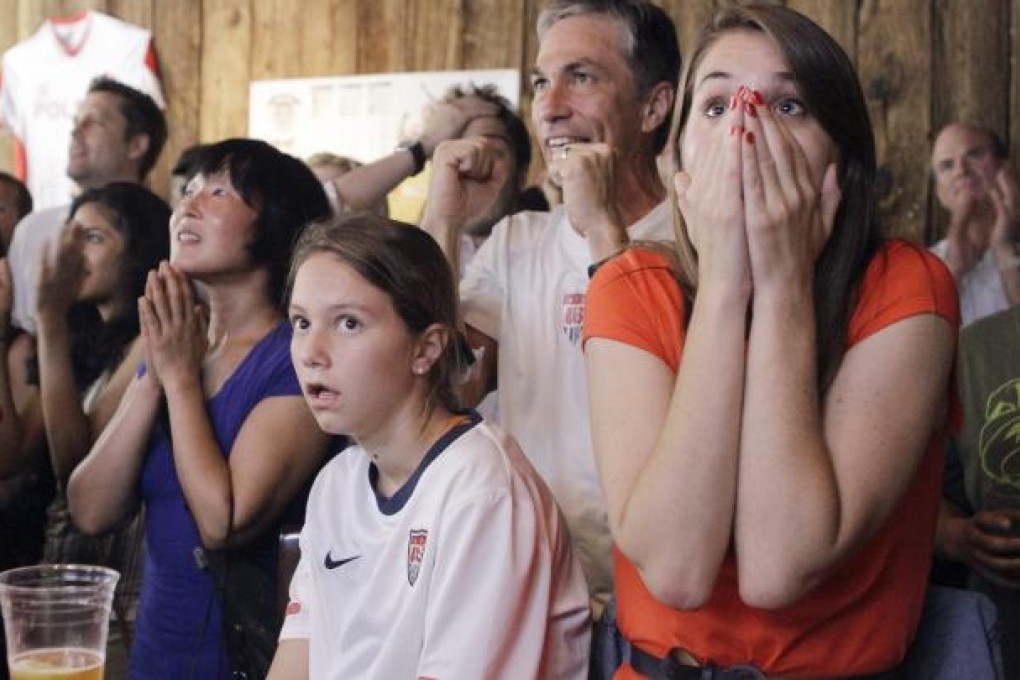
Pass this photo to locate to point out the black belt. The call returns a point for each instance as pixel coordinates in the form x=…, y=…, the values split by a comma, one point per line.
x=670, y=669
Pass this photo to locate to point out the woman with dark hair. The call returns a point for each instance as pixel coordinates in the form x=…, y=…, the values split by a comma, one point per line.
x=212, y=434
x=768, y=420
x=87, y=343
x=431, y=549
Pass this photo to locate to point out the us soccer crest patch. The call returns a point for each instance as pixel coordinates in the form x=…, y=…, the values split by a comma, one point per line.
x=572, y=316
x=415, y=553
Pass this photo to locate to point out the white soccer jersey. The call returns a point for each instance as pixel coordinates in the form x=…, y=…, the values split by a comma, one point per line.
x=46, y=76
x=525, y=288
x=466, y=572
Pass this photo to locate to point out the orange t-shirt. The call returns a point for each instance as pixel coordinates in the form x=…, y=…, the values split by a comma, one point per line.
x=862, y=617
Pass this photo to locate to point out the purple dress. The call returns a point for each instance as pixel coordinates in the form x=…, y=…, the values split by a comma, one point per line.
x=179, y=626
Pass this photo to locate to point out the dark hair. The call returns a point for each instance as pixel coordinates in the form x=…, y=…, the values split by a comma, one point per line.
x=516, y=130
x=280, y=188
x=23, y=199
x=187, y=161
x=142, y=115
x=142, y=219
x=407, y=264
x=827, y=82
x=650, y=43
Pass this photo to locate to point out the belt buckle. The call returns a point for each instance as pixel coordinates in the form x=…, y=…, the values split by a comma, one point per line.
x=680, y=656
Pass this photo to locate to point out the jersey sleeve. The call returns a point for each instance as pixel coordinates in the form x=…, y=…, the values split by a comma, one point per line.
x=483, y=286
x=903, y=280
x=635, y=299
x=490, y=593
x=297, y=622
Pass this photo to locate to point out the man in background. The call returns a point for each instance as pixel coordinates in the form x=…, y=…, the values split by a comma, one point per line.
x=604, y=84
x=974, y=183
x=117, y=136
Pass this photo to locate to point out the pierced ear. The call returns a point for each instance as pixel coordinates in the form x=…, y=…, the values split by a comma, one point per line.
x=657, y=106
x=431, y=344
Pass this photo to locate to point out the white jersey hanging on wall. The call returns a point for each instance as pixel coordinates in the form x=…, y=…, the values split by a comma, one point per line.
x=47, y=75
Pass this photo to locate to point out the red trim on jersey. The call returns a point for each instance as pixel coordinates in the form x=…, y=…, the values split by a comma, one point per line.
x=152, y=61
x=70, y=50
x=20, y=160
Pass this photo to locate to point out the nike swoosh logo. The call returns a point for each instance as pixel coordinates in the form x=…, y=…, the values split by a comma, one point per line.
x=330, y=563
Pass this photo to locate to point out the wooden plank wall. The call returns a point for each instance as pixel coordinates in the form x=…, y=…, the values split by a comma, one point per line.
x=922, y=62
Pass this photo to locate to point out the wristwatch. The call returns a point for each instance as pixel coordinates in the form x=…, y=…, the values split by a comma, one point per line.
x=417, y=152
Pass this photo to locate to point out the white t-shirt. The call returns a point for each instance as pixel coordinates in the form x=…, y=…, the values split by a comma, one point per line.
x=981, y=291
x=466, y=572
x=32, y=232
x=46, y=76
x=525, y=288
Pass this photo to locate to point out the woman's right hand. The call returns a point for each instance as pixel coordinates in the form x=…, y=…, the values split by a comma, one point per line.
x=710, y=198
x=61, y=273
x=173, y=326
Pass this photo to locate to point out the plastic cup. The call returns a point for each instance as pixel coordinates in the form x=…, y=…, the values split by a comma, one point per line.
x=56, y=618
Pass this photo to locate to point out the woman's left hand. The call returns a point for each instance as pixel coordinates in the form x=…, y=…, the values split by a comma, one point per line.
x=788, y=218
x=174, y=326
x=62, y=271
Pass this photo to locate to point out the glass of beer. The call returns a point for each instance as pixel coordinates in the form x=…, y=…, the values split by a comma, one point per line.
x=56, y=618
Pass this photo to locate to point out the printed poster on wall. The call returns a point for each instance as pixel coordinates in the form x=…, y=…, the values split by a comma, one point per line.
x=362, y=117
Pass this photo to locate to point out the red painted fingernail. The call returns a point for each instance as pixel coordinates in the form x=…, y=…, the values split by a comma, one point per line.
x=756, y=98
x=750, y=109
x=749, y=137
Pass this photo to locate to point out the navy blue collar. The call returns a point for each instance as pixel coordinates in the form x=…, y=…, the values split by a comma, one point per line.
x=396, y=502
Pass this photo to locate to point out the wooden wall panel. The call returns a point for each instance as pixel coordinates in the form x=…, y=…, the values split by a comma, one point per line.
x=839, y=19
x=177, y=27
x=921, y=62
x=328, y=35
x=276, y=42
x=225, y=69
x=494, y=33
x=435, y=31
x=8, y=37
x=688, y=15
x=382, y=33
x=894, y=67
x=970, y=43
x=138, y=12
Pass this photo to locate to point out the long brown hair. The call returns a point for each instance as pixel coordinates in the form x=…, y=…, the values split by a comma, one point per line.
x=828, y=84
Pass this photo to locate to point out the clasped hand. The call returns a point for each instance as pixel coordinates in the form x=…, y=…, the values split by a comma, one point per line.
x=174, y=327
x=756, y=211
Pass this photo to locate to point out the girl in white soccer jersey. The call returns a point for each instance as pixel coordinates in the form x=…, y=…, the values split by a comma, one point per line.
x=431, y=548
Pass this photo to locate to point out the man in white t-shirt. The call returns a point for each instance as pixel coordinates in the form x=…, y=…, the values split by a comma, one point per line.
x=45, y=78
x=974, y=184
x=117, y=136
x=604, y=84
